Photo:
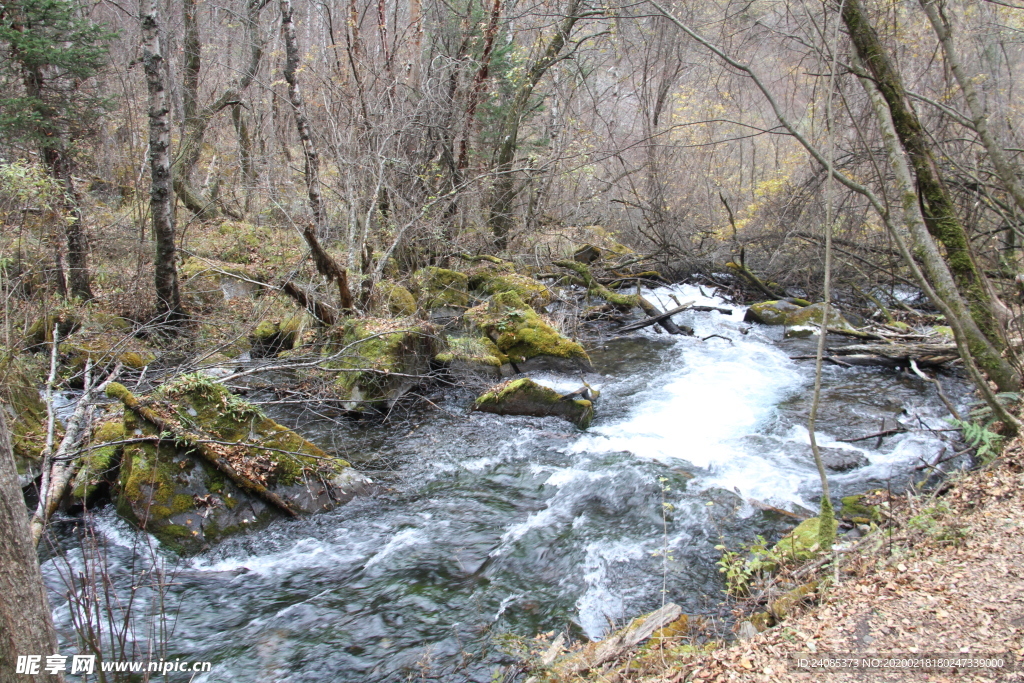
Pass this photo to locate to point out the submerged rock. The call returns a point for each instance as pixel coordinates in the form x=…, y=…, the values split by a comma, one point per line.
x=381, y=360
x=526, y=397
x=167, y=488
x=842, y=460
x=530, y=343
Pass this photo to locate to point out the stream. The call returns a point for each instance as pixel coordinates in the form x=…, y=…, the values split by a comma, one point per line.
x=489, y=529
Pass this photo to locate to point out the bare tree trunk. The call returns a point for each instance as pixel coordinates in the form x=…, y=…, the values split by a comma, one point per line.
x=505, y=190
x=59, y=166
x=979, y=118
x=938, y=210
x=197, y=120
x=166, y=275
x=291, y=68
x=26, y=625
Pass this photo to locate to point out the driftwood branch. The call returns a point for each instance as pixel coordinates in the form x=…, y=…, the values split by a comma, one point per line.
x=329, y=268
x=200, y=446
x=653, y=320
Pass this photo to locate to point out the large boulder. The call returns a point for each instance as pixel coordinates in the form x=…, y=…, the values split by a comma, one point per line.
x=771, y=312
x=526, y=397
x=529, y=342
x=391, y=298
x=379, y=360
x=167, y=488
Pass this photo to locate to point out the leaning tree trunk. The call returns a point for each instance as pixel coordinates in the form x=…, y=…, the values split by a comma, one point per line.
x=26, y=625
x=166, y=275
x=937, y=204
x=926, y=252
x=291, y=46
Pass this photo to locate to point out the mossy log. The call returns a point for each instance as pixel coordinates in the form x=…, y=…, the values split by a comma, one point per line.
x=209, y=454
x=481, y=257
x=754, y=280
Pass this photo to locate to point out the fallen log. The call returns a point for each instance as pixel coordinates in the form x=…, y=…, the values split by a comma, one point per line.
x=617, y=645
x=205, y=450
x=897, y=355
x=653, y=320
x=318, y=309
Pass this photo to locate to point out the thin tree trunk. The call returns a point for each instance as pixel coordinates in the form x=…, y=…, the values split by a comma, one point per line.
x=197, y=121
x=26, y=624
x=312, y=170
x=59, y=166
x=979, y=118
x=505, y=190
x=166, y=270
x=938, y=209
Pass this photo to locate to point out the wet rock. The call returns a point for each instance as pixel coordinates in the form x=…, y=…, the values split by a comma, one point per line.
x=382, y=360
x=807, y=320
x=771, y=312
x=529, y=342
x=271, y=337
x=526, y=397
x=187, y=503
x=842, y=460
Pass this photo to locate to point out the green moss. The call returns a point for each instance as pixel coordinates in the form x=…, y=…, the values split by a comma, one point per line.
x=105, y=349
x=526, y=397
x=771, y=312
x=472, y=350
x=438, y=287
x=801, y=543
x=519, y=332
x=27, y=415
x=855, y=510
x=491, y=281
x=370, y=350
x=394, y=298
x=99, y=460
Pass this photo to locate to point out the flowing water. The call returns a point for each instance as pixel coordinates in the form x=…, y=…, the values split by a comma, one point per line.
x=486, y=526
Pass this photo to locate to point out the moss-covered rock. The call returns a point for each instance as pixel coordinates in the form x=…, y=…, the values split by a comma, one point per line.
x=392, y=298
x=105, y=349
x=529, y=342
x=26, y=415
x=271, y=337
x=526, y=397
x=466, y=355
x=771, y=312
x=380, y=361
x=490, y=280
x=439, y=287
x=801, y=543
x=40, y=332
x=98, y=468
x=186, y=502
x=807, y=320
x=855, y=510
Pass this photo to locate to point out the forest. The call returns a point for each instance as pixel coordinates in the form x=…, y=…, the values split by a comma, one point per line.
x=258, y=260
